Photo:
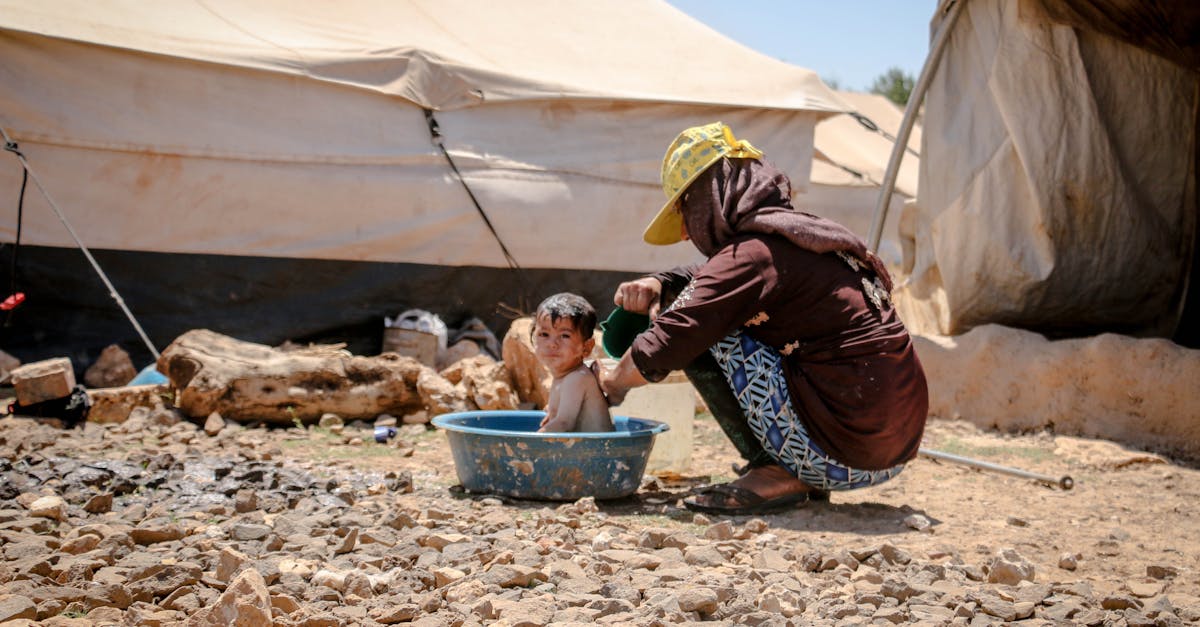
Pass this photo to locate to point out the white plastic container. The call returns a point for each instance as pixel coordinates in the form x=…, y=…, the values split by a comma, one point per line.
x=673, y=401
x=412, y=343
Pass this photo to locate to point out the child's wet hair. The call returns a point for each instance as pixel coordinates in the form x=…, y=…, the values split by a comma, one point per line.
x=572, y=307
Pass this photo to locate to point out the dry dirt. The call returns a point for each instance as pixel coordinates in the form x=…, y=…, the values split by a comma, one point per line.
x=1129, y=513
x=200, y=511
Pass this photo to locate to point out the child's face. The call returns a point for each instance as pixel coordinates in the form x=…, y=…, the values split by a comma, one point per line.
x=559, y=345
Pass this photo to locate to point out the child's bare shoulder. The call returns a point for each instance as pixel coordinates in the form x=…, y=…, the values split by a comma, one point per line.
x=581, y=376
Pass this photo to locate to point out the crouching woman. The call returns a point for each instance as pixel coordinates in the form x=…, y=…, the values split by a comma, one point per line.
x=787, y=331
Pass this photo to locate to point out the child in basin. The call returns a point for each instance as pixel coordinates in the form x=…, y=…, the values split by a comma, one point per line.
x=562, y=337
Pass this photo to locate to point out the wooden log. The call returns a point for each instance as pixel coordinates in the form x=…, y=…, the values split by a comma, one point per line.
x=249, y=382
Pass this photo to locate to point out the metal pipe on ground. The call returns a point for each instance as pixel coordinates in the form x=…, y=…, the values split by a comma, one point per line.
x=1065, y=482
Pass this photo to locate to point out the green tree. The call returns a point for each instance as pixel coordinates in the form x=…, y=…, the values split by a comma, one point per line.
x=894, y=85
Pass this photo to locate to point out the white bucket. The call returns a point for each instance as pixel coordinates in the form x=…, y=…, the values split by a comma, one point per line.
x=673, y=401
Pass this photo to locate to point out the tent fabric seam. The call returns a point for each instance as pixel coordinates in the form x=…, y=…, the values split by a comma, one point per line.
x=577, y=93
x=480, y=164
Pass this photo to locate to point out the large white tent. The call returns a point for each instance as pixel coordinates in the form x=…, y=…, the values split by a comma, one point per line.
x=849, y=160
x=265, y=167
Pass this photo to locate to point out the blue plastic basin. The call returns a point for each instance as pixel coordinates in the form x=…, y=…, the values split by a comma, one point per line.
x=500, y=452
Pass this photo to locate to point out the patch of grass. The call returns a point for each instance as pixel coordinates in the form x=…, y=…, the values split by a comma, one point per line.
x=678, y=519
x=324, y=433
x=955, y=446
x=293, y=444
x=355, y=452
x=423, y=435
x=654, y=520
x=364, y=452
x=328, y=446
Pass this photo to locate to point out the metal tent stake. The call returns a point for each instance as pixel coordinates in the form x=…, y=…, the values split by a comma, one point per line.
x=1065, y=482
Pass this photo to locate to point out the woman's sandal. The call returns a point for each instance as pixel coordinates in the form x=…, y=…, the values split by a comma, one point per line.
x=814, y=495
x=736, y=501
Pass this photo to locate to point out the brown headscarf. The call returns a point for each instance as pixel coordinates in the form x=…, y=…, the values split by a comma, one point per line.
x=737, y=196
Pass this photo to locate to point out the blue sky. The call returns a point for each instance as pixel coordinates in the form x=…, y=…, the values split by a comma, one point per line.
x=850, y=42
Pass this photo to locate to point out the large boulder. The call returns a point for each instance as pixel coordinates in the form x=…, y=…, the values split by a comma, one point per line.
x=529, y=376
x=487, y=383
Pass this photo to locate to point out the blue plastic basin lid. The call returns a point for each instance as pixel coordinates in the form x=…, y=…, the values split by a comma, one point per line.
x=642, y=427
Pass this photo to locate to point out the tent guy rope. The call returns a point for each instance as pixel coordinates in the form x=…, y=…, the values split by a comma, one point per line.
x=112, y=291
x=870, y=125
x=15, y=297
x=435, y=135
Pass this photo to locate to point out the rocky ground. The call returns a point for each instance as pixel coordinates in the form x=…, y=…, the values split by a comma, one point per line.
x=162, y=521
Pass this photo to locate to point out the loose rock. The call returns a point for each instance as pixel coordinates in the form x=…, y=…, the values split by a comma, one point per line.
x=1008, y=567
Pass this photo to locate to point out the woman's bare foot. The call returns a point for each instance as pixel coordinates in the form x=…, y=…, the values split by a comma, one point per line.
x=771, y=482
x=759, y=490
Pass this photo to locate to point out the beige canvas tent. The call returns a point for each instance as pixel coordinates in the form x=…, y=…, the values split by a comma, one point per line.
x=265, y=167
x=849, y=161
x=1058, y=173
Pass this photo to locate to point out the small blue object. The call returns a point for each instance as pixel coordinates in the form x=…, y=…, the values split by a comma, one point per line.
x=501, y=452
x=148, y=376
x=383, y=434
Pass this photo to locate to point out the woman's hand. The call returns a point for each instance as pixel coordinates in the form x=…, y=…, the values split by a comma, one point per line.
x=640, y=296
x=615, y=382
x=614, y=393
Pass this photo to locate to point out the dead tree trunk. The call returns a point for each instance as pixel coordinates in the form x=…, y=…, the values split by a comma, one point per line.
x=248, y=382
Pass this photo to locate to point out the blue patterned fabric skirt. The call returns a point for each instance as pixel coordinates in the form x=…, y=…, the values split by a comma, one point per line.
x=755, y=374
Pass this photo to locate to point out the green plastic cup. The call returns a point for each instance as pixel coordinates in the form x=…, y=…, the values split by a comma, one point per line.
x=619, y=330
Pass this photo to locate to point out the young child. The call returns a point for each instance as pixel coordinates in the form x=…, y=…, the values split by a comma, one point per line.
x=562, y=337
